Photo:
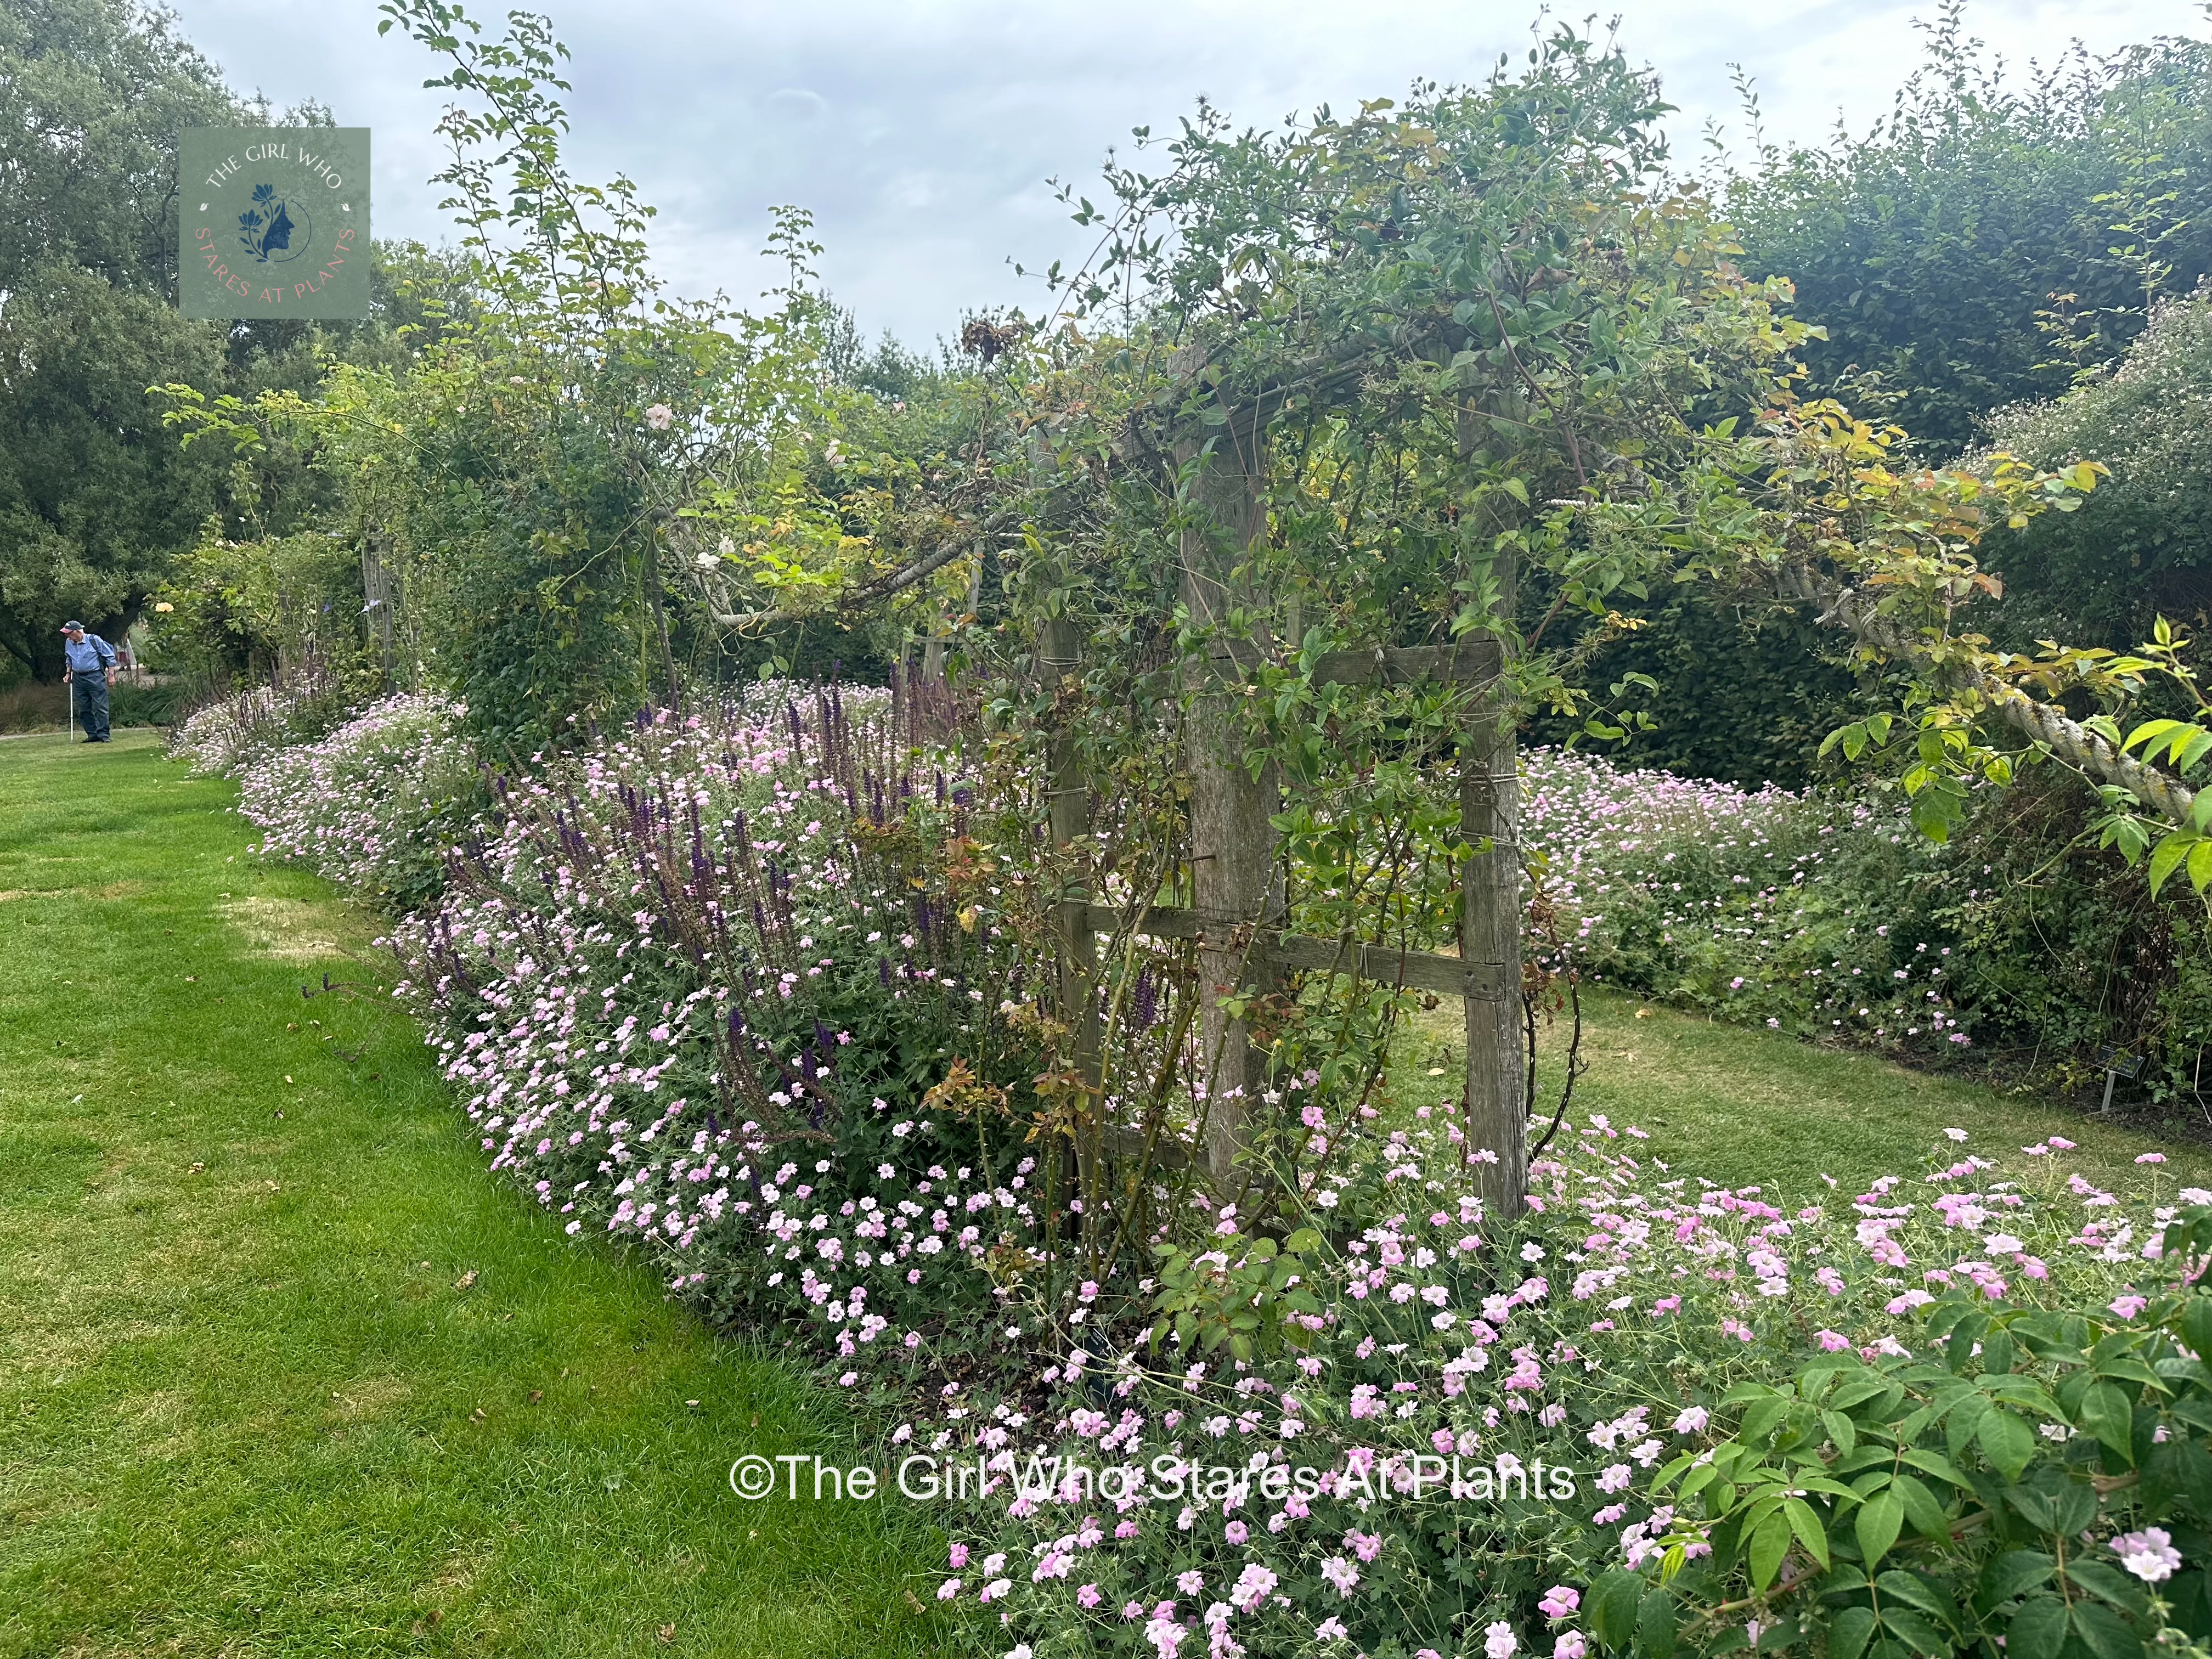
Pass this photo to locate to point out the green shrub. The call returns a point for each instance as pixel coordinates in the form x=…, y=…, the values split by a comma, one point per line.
x=158, y=704
x=1829, y=916
x=2141, y=546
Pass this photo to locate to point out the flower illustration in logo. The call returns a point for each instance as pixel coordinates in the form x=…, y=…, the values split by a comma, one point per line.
x=274, y=229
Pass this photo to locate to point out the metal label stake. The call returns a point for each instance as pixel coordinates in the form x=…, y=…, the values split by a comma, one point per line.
x=2118, y=1063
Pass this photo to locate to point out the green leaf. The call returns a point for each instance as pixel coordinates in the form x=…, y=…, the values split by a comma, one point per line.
x=1921, y=1508
x=1959, y=1351
x=1917, y=1592
x=2127, y=1369
x=1770, y=1542
x=1656, y=1624
x=2076, y=1504
x=2109, y=1583
x=2192, y=1467
x=2006, y=1441
x=2105, y=1633
x=1965, y=1417
x=1841, y=1431
x=2166, y=856
x=2197, y=1312
x=1877, y=1525
x=1940, y=1466
x=2035, y=1508
x=2149, y=731
x=1759, y=1419
x=2014, y=1573
x=2106, y=1414
x=1612, y=1604
x=1813, y=1381
x=1687, y=1463
x=2022, y=1395
x=1945, y=1317
x=1767, y=1502
x=1915, y=1631
x=1847, y=1636
x=2038, y=1631
x=1806, y=1525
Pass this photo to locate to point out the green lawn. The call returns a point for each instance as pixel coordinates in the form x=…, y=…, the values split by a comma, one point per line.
x=1741, y=1106
x=282, y=1371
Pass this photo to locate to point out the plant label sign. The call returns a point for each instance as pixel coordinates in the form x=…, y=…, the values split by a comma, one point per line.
x=273, y=222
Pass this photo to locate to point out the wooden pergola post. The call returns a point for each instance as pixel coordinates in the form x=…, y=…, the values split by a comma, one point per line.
x=1235, y=879
x=1490, y=938
x=1059, y=656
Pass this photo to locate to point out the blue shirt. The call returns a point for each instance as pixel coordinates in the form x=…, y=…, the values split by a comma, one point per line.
x=87, y=656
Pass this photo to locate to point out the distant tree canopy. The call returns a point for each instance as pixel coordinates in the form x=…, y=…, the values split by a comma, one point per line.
x=97, y=499
x=1985, y=241
x=94, y=495
x=1984, y=245
x=2142, y=546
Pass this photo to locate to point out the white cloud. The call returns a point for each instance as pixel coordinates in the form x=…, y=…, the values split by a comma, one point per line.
x=919, y=133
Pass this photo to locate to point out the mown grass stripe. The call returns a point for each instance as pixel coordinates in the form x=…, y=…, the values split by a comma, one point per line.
x=244, y=1406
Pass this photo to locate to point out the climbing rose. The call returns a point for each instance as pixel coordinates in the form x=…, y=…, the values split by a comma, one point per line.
x=2149, y=1554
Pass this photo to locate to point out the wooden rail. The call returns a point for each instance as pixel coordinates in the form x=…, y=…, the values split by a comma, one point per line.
x=1471, y=662
x=1386, y=964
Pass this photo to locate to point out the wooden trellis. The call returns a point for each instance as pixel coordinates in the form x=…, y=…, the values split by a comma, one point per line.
x=1237, y=908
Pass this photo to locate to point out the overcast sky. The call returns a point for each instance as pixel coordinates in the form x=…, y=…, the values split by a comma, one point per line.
x=920, y=134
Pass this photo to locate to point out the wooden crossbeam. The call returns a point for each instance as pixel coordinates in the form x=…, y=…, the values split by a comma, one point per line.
x=1471, y=662
x=1385, y=965
x=1129, y=1145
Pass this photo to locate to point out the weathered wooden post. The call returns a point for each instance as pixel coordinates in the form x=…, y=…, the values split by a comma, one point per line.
x=1059, y=656
x=1490, y=940
x=933, y=653
x=1235, y=874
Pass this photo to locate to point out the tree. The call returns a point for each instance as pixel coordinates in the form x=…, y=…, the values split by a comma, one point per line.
x=97, y=501
x=2142, y=547
x=547, y=474
x=95, y=497
x=1986, y=240
x=1345, y=383
x=1363, y=382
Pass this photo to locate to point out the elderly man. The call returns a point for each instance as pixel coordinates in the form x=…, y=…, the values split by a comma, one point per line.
x=90, y=672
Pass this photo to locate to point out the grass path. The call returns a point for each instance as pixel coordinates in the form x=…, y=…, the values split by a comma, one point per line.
x=1743, y=1106
x=281, y=1372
